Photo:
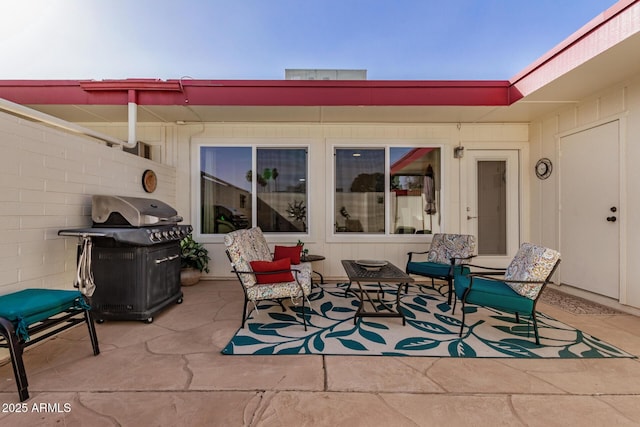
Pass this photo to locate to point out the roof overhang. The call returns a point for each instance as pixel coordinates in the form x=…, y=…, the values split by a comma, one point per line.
x=262, y=100
x=603, y=53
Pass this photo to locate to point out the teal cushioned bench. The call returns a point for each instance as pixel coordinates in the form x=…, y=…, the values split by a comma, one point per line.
x=31, y=315
x=29, y=306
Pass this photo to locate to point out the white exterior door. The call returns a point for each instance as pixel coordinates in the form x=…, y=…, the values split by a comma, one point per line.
x=589, y=209
x=492, y=211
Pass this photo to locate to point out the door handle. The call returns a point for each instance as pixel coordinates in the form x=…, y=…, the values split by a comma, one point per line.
x=471, y=217
x=612, y=219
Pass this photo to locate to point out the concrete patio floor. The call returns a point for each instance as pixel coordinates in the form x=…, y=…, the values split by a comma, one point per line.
x=171, y=373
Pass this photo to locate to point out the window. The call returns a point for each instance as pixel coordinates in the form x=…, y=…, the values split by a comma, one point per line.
x=230, y=188
x=359, y=196
x=282, y=189
x=225, y=189
x=409, y=204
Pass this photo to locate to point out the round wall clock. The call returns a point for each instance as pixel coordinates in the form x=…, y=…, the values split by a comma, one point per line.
x=149, y=181
x=544, y=168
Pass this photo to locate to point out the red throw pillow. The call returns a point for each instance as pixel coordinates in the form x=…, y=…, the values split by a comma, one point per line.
x=266, y=266
x=292, y=252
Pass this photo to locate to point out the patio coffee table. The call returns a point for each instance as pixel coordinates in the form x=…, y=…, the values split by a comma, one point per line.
x=387, y=275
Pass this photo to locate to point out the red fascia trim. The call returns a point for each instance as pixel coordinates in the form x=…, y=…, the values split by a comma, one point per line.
x=57, y=92
x=130, y=84
x=514, y=94
x=260, y=92
x=342, y=93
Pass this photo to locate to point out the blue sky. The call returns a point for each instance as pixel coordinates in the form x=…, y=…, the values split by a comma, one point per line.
x=259, y=39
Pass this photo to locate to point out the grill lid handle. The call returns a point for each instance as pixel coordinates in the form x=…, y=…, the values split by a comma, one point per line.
x=152, y=219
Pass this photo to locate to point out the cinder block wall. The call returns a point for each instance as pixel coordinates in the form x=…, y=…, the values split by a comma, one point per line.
x=47, y=178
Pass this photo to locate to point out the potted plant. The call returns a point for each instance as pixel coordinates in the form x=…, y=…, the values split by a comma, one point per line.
x=304, y=251
x=194, y=259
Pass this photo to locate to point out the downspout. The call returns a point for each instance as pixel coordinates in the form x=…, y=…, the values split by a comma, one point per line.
x=133, y=120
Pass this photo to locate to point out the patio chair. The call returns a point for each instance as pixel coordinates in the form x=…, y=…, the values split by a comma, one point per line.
x=32, y=315
x=516, y=291
x=262, y=277
x=448, y=252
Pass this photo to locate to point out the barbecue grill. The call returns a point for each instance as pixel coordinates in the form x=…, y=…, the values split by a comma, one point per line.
x=132, y=256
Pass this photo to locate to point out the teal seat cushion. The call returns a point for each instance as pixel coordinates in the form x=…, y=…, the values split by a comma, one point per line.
x=492, y=293
x=29, y=306
x=434, y=269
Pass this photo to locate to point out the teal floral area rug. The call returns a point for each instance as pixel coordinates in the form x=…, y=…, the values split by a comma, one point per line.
x=431, y=330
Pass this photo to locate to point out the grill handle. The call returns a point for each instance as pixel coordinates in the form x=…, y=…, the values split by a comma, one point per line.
x=165, y=259
x=175, y=218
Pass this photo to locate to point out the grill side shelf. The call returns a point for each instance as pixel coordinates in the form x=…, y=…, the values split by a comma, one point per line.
x=78, y=233
x=142, y=236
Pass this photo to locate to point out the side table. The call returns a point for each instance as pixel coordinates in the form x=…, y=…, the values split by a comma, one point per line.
x=313, y=258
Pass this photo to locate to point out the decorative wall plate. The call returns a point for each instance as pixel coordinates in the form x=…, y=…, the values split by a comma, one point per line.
x=544, y=168
x=149, y=181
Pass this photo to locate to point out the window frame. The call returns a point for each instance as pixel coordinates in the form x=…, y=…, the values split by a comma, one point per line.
x=254, y=144
x=330, y=182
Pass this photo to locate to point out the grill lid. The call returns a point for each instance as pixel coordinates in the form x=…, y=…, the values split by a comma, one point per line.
x=131, y=211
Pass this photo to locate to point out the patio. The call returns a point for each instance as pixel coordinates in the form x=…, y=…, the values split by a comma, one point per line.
x=171, y=372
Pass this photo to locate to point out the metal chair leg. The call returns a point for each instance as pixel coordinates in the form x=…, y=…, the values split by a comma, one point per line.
x=16, y=349
x=244, y=312
x=535, y=327
x=463, y=316
x=304, y=318
x=463, y=300
x=88, y=317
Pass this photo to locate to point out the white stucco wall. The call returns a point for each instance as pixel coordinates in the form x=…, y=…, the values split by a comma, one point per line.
x=321, y=138
x=622, y=101
x=47, y=178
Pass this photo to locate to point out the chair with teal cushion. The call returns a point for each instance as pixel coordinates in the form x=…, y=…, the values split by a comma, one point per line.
x=514, y=289
x=32, y=315
x=448, y=252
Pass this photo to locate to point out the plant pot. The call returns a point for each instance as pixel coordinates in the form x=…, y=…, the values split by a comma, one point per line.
x=190, y=276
